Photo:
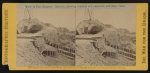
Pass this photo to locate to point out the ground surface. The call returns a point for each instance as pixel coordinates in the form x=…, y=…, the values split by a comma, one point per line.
x=28, y=55
x=87, y=55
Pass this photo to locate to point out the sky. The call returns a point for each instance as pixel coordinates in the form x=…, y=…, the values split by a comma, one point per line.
x=118, y=15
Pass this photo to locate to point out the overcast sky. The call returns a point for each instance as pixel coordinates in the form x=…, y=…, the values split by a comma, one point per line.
x=120, y=17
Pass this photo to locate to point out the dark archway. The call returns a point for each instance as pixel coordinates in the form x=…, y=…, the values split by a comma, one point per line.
x=35, y=28
x=95, y=30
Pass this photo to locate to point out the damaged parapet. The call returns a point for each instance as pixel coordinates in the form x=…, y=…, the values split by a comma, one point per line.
x=122, y=43
x=44, y=49
x=54, y=42
x=62, y=41
x=99, y=44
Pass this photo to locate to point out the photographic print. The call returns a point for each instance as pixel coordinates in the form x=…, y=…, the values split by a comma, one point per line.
x=45, y=36
x=106, y=36
x=75, y=36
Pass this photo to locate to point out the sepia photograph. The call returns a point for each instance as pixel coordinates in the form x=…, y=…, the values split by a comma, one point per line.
x=45, y=36
x=106, y=35
x=76, y=35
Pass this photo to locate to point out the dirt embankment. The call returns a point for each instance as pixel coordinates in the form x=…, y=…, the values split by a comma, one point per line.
x=28, y=55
